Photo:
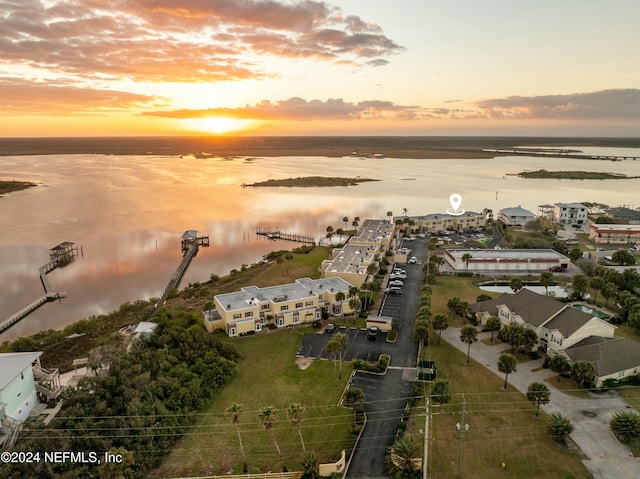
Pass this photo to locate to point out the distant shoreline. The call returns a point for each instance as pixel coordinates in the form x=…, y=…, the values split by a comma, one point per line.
x=390, y=147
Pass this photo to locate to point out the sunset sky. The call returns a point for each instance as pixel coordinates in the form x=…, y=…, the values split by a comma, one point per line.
x=343, y=67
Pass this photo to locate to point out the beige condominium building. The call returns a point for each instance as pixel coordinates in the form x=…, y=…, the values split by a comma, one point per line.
x=252, y=308
x=435, y=222
x=614, y=234
x=352, y=261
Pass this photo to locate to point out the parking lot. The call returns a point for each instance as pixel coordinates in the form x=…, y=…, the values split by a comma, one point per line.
x=358, y=345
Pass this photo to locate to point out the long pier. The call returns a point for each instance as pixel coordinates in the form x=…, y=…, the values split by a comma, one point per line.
x=277, y=235
x=190, y=244
x=59, y=255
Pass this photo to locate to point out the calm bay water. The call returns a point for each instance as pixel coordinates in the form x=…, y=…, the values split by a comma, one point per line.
x=128, y=213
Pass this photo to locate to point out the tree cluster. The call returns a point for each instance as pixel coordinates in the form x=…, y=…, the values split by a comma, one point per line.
x=141, y=407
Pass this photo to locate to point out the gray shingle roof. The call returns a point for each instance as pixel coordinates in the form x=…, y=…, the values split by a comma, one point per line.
x=569, y=321
x=608, y=356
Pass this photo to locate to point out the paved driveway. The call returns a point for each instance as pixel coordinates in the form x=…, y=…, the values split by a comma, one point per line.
x=606, y=457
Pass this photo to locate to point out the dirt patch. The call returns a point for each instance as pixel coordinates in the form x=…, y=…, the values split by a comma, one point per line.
x=304, y=363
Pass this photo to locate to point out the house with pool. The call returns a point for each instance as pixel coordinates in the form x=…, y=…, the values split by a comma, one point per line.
x=557, y=325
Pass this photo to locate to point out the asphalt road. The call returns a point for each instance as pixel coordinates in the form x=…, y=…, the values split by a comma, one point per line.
x=385, y=395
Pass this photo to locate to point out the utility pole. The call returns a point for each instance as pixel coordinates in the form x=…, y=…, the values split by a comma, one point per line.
x=461, y=427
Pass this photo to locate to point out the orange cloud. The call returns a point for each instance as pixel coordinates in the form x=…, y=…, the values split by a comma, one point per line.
x=181, y=41
x=21, y=97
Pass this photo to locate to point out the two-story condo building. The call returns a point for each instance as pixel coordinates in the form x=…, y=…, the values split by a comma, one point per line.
x=252, y=308
x=504, y=260
x=614, y=234
x=435, y=222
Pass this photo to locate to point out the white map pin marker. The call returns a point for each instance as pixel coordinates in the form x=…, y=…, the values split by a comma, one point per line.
x=455, y=200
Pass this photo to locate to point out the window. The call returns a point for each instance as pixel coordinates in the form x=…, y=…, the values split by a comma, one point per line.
x=265, y=306
x=295, y=319
x=309, y=303
x=298, y=305
x=280, y=322
x=237, y=316
x=284, y=307
x=232, y=331
x=248, y=314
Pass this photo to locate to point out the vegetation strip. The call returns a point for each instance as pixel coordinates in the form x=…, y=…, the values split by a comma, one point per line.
x=11, y=186
x=312, y=181
x=573, y=175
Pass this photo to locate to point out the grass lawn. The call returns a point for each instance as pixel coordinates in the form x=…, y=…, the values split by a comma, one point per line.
x=447, y=287
x=267, y=376
x=503, y=428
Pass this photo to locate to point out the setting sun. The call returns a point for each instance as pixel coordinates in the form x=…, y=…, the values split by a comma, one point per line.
x=217, y=125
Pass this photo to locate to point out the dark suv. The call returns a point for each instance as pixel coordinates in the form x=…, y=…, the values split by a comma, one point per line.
x=372, y=333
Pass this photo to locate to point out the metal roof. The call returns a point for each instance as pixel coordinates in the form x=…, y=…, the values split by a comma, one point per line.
x=12, y=364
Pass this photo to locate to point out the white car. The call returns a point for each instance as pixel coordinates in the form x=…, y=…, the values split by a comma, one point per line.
x=413, y=260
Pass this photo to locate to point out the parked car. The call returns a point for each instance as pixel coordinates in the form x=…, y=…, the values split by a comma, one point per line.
x=413, y=260
x=394, y=290
x=330, y=328
x=372, y=333
x=557, y=269
x=396, y=283
x=400, y=277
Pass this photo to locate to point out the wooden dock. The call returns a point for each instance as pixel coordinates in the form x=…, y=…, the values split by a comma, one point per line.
x=28, y=309
x=190, y=244
x=277, y=235
x=60, y=255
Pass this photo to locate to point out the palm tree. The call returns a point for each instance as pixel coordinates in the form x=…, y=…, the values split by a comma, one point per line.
x=389, y=215
x=404, y=457
x=340, y=297
x=582, y=372
x=516, y=284
x=233, y=411
x=354, y=304
x=332, y=347
x=546, y=280
x=468, y=335
x=342, y=340
x=346, y=221
x=453, y=304
x=310, y=465
x=267, y=415
x=421, y=333
x=294, y=413
x=559, y=364
x=465, y=258
x=626, y=425
x=596, y=285
x=354, y=398
x=440, y=323
x=560, y=427
x=288, y=257
x=507, y=364
x=493, y=324
x=609, y=290
x=440, y=391
x=329, y=232
x=538, y=393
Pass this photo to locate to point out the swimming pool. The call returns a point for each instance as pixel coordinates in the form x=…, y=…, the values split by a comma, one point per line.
x=594, y=312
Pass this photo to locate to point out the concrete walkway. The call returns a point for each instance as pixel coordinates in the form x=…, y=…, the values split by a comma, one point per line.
x=606, y=457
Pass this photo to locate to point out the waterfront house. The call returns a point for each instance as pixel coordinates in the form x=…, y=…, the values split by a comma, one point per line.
x=569, y=213
x=17, y=384
x=436, y=222
x=515, y=216
x=251, y=309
